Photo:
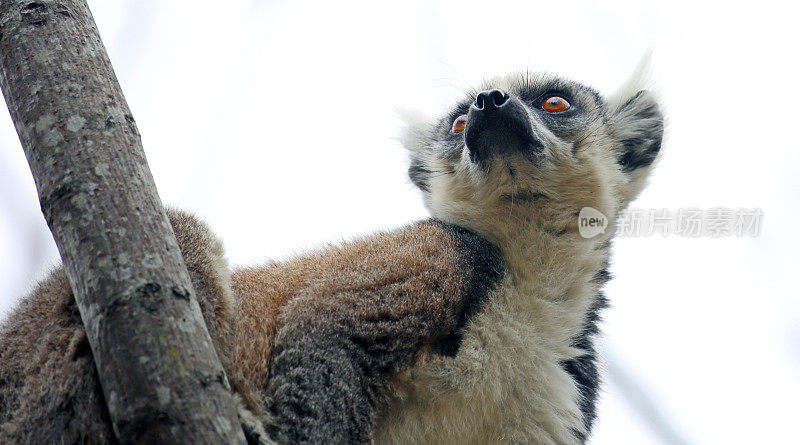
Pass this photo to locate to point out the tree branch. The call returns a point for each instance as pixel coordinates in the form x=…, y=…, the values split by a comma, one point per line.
x=161, y=378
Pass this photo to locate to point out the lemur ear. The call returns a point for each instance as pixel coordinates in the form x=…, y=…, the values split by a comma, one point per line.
x=639, y=127
x=416, y=126
x=637, y=121
x=416, y=130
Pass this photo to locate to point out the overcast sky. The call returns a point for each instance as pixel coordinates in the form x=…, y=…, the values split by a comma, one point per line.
x=274, y=121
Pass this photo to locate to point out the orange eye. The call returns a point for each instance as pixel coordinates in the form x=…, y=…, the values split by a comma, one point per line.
x=555, y=104
x=459, y=124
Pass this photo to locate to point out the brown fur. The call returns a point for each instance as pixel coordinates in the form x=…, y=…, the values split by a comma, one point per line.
x=411, y=279
x=49, y=388
x=401, y=266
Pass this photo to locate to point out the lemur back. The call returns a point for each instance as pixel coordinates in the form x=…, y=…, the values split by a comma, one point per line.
x=316, y=337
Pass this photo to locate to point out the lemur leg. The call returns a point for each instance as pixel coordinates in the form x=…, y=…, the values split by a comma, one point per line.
x=339, y=343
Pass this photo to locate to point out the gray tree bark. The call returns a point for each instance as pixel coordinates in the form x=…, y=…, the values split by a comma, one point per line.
x=160, y=375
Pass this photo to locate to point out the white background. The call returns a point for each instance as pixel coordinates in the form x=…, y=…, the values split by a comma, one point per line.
x=273, y=120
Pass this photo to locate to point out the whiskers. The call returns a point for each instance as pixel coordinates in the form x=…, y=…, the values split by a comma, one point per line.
x=515, y=187
x=438, y=173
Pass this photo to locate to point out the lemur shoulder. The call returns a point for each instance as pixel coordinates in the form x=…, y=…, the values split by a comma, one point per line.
x=474, y=326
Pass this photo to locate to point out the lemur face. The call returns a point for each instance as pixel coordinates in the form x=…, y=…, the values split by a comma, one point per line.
x=534, y=150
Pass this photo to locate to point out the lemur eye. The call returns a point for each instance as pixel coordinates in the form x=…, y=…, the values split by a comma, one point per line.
x=555, y=104
x=459, y=124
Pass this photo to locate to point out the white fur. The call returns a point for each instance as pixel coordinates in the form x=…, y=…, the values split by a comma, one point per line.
x=416, y=124
x=638, y=80
x=506, y=383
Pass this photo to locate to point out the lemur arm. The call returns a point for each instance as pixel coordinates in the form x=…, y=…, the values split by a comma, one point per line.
x=375, y=306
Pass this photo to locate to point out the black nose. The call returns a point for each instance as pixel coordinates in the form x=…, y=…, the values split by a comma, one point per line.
x=490, y=99
x=498, y=123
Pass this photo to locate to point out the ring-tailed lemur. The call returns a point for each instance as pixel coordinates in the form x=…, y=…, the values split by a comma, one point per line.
x=475, y=326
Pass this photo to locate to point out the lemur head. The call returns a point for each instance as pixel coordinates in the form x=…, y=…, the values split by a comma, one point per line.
x=534, y=150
